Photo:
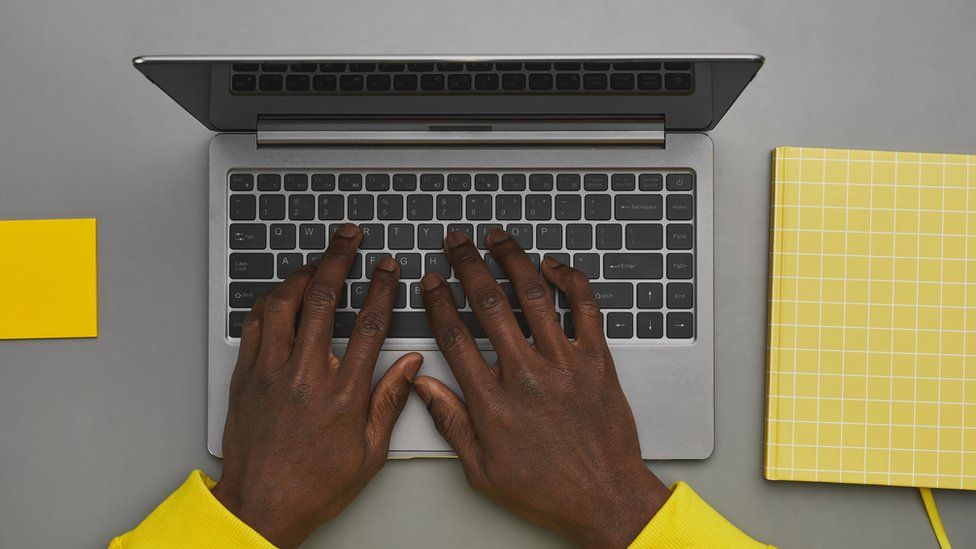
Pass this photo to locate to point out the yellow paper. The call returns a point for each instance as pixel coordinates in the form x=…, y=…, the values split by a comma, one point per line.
x=48, y=279
x=872, y=318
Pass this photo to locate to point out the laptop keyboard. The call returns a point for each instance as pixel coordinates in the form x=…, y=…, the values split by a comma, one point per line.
x=631, y=232
x=637, y=76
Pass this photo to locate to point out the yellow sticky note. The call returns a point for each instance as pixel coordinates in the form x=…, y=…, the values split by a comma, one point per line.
x=48, y=279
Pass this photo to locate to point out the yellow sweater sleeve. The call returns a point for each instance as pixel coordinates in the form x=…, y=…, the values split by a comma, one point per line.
x=190, y=518
x=686, y=521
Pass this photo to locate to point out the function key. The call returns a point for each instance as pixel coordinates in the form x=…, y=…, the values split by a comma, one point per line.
x=568, y=182
x=567, y=66
x=270, y=82
x=450, y=67
x=596, y=65
x=430, y=82
x=541, y=81
x=514, y=81
x=540, y=182
x=350, y=182
x=332, y=67
x=651, y=181
x=404, y=182
x=622, y=81
x=675, y=66
x=391, y=67
x=478, y=66
x=677, y=81
x=351, y=82
x=323, y=82
x=637, y=66
x=303, y=67
x=486, y=82
x=405, y=82
x=297, y=82
x=538, y=66
x=680, y=181
x=362, y=67
x=595, y=81
x=274, y=67
x=269, y=182
x=377, y=182
x=649, y=81
x=623, y=182
x=508, y=66
x=459, y=82
x=681, y=326
x=486, y=182
x=378, y=82
x=245, y=67
x=459, y=182
x=513, y=182
x=432, y=182
x=420, y=67
x=243, y=82
x=568, y=81
x=323, y=182
x=296, y=182
x=595, y=182
x=241, y=182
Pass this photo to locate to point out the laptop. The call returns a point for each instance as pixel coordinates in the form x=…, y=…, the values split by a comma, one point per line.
x=598, y=160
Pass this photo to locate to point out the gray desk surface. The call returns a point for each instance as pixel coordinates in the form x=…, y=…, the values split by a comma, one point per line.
x=93, y=433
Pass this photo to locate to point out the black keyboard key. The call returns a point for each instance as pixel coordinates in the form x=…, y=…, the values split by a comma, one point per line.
x=378, y=82
x=680, y=181
x=323, y=182
x=588, y=264
x=420, y=207
x=486, y=182
x=494, y=267
x=613, y=295
x=296, y=182
x=437, y=263
x=632, y=266
x=270, y=82
x=478, y=207
x=597, y=207
x=482, y=232
x=243, y=295
x=432, y=182
x=432, y=82
x=650, y=295
x=459, y=82
x=243, y=207
x=357, y=294
x=595, y=81
x=251, y=265
x=540, y=81
x=569, y=207
x=342, y=324
x=486, y=82
x=521, y=233
x=508, y=66
x=430, y=236
x=678, y=81
x=282, y=236
x=288, y=263
x=540, y=182
x=466, y=228
x=362, y=67
x=409, y=265
x=637, y=65
x=568, y=182
x=620, y=325
x=548, y=236
x=649, y=81
x=400, y=237
x=448, y=207
x=450, y=67
x=274, y=67
x=410, y=324
x=637, y=207
x=538, y=66
x=513, y=81
x=350, y=182
x=596, y=182
x=681, y=266
x=243, y=82
x=389, y=207
x=650, y=325
x=269, y=182
x=678, y=66
x=311, y=236
x=372, y=260
x=247, y=67
x=643, y=236
x=351, y=82
x=681, y=207
x=301, y=207
x=567, y=81
x=681, y=326
x=609, y=237
x=596, y=65
x=373, y=234
x=241, y=182
x=650, y=182
x=297, y=82
x=681, y=295
x=622, y=81
x=405, y=82
x=331, y=207
x=360, y=207
x=303, y=67
x=248, y=236
x=235, y=323
x=567, y=66
x=478, y=67
x=420, y=67
x=513, y=182
x=508, y=207
x=680, y=236
x=459, y=182
x=538, y=207
x=271, y=207
x=579, y=236
x=377, y=182
x=623, y=182
x=404, y=182
x=324, y=82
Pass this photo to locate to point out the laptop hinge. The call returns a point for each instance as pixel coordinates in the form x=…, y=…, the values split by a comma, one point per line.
x=510, y=131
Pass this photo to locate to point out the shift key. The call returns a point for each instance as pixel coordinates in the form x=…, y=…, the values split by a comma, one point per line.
x=244, y=294
x=251, y=266
x=633, y=266
x=613, y=295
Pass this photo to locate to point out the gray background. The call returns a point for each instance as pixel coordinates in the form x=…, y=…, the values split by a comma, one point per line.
x=94, y=433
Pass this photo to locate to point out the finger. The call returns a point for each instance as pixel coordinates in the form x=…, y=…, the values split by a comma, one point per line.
x=585, y=309
x=486, y=299
x=278, y=318
x=453, y=422
x=247, y=354
x=388, y=399
x=372, y=324
x=533, y=293
x=454, y=339
x=314, y=341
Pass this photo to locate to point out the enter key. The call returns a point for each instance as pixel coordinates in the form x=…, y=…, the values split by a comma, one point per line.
x=632, y=266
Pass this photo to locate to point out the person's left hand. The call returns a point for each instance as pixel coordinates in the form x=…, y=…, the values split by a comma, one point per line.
x=304, y=433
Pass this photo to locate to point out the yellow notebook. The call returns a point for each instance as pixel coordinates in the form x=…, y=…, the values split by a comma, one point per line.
x=872, y=318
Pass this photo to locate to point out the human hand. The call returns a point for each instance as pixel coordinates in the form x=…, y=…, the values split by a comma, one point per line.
x=304, y=433
x=546, y=431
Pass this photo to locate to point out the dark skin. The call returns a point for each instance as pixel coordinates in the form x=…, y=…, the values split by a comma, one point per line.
x=546, y=431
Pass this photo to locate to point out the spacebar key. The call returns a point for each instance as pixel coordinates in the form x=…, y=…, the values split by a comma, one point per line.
x=415, y=324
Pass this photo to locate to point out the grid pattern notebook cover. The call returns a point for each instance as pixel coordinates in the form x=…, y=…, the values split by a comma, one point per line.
x=872, y=318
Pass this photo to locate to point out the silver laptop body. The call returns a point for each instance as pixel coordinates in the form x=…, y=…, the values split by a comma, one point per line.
x=600, y=160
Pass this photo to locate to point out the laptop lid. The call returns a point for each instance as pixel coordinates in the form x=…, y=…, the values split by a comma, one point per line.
x=683, y=92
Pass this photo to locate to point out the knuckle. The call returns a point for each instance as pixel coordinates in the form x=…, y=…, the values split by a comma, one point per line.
x=535, y=292
x=588, y=306
x=320, y=294
x=452, y=335
x=277, y=303
x=489, y=299
x=251, y=324
x=265, y=381
x=300, y=390
x=466, y=255
x=370, y=324
x=342, y=404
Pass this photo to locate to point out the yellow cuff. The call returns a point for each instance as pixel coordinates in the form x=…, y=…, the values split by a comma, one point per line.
x=191, y=517
x=685, y=520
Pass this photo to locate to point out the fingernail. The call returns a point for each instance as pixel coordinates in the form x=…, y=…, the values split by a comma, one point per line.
x=348, y=230
x=387, y=264
x=424, y=393
x=497, y=235
x=411, y=369
x=456, y=239
x=431, y=281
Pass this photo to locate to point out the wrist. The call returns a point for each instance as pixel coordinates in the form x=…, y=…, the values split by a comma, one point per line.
x=619, y=516
x=253, y=509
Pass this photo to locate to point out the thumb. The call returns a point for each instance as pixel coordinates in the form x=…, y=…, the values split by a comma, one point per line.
x=453, y=422
x=388, y=399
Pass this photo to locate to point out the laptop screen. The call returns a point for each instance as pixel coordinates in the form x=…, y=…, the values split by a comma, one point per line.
x=232, y=94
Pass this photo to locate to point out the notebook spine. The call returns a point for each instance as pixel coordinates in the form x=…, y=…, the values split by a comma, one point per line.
x=771, y=457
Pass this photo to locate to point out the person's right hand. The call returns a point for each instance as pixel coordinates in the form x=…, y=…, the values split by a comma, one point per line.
x=547, y=431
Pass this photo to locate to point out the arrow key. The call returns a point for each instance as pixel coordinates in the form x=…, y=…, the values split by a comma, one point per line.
x=681, y=326
x=650, y=325
x=620, y=325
